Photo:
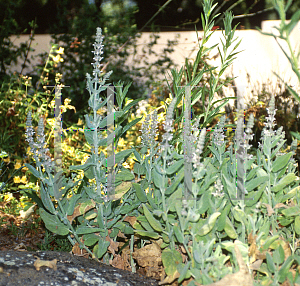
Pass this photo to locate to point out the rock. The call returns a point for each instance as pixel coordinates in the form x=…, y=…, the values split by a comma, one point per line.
x=61, y=268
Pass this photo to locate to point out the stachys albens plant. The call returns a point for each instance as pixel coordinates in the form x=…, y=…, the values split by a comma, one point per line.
x=92, y=214
x=184, y=203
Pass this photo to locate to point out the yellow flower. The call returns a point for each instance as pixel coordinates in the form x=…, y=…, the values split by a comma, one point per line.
x=57, y=59
x=16, y=179
x=80, y=122
x=8, y=197
x=67, y=101
x=60, y=50
x=125, y=164
x=101, y=111
x=18, y=164
x=6, y=160
x=121, y=143
x=24, y=180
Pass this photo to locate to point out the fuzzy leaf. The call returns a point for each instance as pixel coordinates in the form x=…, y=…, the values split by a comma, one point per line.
x=87, y=229
x=281, y=162
x=210, y=223
x=53, y=223
x=178, y=233
x=286, y=180
x=90, y=239
x=141, y=195
x=33, y=170
x=172, y=169
x=153, y=222
x=102, y=247
x=145, y=233
x=229, y=229
x=170, y=258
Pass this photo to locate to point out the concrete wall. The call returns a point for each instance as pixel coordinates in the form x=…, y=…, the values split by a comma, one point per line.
x=260, y=56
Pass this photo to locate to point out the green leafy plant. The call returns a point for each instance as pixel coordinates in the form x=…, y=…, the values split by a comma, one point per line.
x=207, y=227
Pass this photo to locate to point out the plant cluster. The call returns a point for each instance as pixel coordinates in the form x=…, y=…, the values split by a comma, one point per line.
x=177, y=199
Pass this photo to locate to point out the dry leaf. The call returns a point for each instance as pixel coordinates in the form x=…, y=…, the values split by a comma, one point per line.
x=39, y=263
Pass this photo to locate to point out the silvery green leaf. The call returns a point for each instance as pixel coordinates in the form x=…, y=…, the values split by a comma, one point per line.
x=170, y=259
x=214, y=151
x=102, y=123
x=158, y=179
x=286, y=180
x=251, y=174
x=89, y=172
x=270, y=263
x=254, y=196
x=192, y=216
x=281, y=162
x=144, y=150
x=254, y=183
x=101, y=104
x=108, y=140
x=141, y=195
x=90, y=239
x=53, y=223
x=34, y=171
x=174, y=168
x=71, y=204
x=147, y=226
x=145, y=233
x=124, y=175
x=111, y=223
x=209, y=224
x=158, y=213
x=82, y=229
x=153, y=222
x=85, y=166
x=229, y=229
x=297, y=225
x=46, y=200
x=102, y=248
x=90, y=192
x=139, y=169
x=184, y=271
x=231, y=187
x=267, y=147
x=118, y=157
x=88, y=120
x=89, y=136
x=137, y=155
x=160, y=170
x=203, y=205
x=222, y=220
x=278, y=255
x=284, y=270
x=175, y=198
x=269, y=241
x=239, y=215
x=292, y=211
x=175, y=182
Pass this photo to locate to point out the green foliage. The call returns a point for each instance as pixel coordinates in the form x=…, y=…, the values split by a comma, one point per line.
x=177, y=200
x=120, y=39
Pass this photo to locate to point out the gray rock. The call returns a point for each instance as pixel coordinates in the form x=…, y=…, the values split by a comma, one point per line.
x=23, y=268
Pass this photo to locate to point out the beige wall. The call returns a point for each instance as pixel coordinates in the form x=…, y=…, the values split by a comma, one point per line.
x=260, y=56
